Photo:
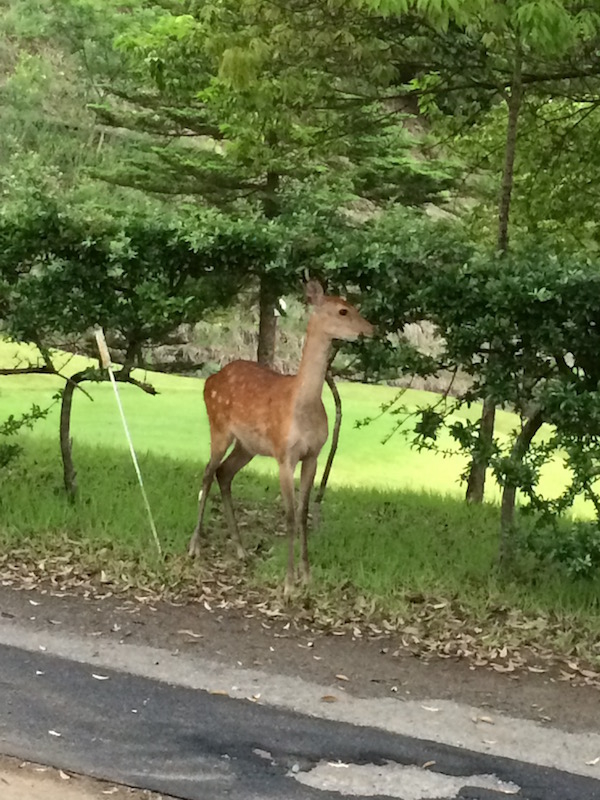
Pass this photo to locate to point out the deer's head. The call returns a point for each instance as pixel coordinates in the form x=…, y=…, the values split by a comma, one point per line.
x=334, y=316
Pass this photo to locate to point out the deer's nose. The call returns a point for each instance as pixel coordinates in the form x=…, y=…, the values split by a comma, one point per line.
x=369, y=330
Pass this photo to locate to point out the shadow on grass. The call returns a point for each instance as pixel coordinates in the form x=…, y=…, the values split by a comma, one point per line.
x=392, y=547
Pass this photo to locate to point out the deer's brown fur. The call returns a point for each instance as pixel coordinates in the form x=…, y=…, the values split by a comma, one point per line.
x=261, y=412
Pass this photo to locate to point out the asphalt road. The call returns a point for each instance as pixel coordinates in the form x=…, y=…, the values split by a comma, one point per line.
x=199, y=746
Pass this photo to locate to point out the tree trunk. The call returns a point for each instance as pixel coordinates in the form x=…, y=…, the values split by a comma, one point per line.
x=477, y=475
x=476, y=480
x=509, y=493
x=66, y=443
x=267, y=325
x=335, y=438
x=514, y=102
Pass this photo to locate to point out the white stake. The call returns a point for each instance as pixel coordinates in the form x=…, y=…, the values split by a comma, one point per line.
x=106, y=363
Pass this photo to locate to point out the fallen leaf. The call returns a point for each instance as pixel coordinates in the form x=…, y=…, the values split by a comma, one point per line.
x=186, y=632
x=593, y=762
x=54, y=733
x=342, y=678
x=501, y=668
x=430, y=708
x=221, y=692
x=64, y=775
x=329, y=698
x=588, y=673
x=100, y=677
x=427, y=764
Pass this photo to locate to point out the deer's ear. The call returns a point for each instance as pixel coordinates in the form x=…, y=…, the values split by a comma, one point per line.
x=314, y=293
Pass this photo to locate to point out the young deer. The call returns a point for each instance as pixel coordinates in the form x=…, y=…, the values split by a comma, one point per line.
x=265, y=413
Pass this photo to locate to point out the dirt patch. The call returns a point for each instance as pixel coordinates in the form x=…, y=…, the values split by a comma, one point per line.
x=368, y=667
x=21, y=780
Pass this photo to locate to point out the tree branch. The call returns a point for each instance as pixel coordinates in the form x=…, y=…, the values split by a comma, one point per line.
x=45, y=370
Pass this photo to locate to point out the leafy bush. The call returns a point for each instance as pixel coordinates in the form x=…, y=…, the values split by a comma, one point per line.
x=573, y=549
x=9, y=449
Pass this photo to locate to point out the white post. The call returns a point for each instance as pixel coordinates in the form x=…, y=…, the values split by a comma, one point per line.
x=106, y=363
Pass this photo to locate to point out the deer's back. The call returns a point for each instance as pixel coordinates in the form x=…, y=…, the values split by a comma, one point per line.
x=254, y=403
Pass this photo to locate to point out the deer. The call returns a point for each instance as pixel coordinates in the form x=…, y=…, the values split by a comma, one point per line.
x=263, y=412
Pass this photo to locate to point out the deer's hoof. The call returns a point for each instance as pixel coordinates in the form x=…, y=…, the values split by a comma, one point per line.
x=288, y=589
x=194, y=549
x=242, y=553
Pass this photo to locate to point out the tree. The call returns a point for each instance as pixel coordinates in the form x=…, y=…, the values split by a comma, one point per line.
x=469, y=56
x=137, y=275
x=542, y=309
x=238, y=103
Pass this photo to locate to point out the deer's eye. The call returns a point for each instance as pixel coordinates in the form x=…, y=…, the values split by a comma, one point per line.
x=343, y=311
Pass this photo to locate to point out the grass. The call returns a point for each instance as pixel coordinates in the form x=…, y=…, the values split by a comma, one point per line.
x=174, y=424
x=422, y=561
x=396, y=541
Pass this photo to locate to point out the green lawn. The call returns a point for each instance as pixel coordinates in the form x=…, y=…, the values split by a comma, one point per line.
x=396, y=539
x=174, y=424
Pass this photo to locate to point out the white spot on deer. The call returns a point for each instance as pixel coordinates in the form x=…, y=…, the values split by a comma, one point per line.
x=213, y=393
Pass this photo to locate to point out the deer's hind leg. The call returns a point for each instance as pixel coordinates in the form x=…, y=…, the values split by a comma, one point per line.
x=218, y=448
x=226, y=472
x=286, y=481
x=307, y=478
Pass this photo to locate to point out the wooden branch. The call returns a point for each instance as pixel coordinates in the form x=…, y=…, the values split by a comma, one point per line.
x=334, y=439
x=170, y=126
x=127, y=378
x=527, y=79
x=66, y=442
x=509, y=493
x=45, y=370
x=171, y=367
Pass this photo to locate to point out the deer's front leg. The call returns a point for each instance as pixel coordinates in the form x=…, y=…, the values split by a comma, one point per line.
x=286, y=480
x=307, y=478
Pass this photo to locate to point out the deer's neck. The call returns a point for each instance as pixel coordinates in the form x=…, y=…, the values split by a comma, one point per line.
x=313, y=366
